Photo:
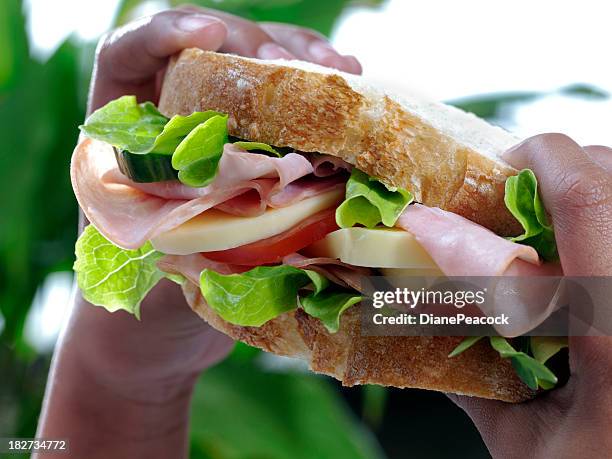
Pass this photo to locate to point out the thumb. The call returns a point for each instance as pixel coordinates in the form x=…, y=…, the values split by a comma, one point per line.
x=577, y=191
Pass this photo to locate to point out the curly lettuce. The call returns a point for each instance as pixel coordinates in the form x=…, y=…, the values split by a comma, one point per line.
x=370, y=202
x=263, y=293
x=112, y=277
x=523, y=201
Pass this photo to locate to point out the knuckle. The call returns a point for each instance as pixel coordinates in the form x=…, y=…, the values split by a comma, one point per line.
x=553, y=140
x=311, y=34
x=104, y=49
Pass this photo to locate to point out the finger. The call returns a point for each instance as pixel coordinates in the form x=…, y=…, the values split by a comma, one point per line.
x=140, y=49
x=591, y=359
x=310, y=46
x=578, y=194
x=497, y=421
x=245, y=37
x=601, y=155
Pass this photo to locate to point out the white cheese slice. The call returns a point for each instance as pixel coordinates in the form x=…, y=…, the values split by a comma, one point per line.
x=215, y=230
x=374, y=248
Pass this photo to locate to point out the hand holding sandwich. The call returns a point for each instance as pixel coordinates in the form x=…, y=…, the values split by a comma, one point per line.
x=119, y=387
x=574, y=420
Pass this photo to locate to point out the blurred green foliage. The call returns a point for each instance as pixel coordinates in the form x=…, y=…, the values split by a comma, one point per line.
x=290, y=416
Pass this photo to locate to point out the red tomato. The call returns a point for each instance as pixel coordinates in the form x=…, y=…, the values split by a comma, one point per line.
x=273, y=249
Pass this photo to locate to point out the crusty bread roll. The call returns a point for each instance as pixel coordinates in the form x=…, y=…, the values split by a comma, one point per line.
x=399, y=361
x=446, y=157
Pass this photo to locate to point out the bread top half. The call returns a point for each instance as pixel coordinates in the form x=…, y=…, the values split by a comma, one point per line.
x=446, y=157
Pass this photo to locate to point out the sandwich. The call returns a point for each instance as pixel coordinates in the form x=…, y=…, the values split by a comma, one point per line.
x=269, y=189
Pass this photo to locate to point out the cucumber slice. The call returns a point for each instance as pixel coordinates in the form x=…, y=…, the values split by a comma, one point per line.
x=145, y=168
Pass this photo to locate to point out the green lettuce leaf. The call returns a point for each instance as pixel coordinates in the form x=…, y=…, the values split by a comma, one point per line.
x=523, y=201
x=328, y=306
x=177, y=129
x=263, y=293
x=126, y=125
x=533, y=373
x=113, y=277
x=531, y=370
x=197, y=156
x=369, y=202
x=319, y=282
x=465, y=345
x=256, y=296
x=195, y=142
x=257, y=146
x=544, y=347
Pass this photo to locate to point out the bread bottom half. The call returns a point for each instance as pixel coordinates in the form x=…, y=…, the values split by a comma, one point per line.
x=399, y=361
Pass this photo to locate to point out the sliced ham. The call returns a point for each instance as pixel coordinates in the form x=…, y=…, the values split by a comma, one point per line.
x=304, y=188
x=461, y=247
x=326, y=165
x=253, y=202
x=336, y=271
x=129, y=214
x=191, y=266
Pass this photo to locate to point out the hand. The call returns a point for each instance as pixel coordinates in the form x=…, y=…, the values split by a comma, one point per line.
x=574, y=420
x=132, y=59
x=119, y=387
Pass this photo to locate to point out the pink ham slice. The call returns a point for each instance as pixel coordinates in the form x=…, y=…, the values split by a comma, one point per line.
x=336, y=271
x=463, y=248
x=192, y=265
x=460, y=247
x=252, y=203
x=327, y=165
x=129, y=214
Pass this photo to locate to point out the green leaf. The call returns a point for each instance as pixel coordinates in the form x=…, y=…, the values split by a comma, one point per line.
x=319, y=281
x=465, y=344
x=523, y=201
x=141, y=128
x=177, y=129
x=126, y=125
x=328, y=306
x=531, y=372
x=254, y=297
x=544, y=347
x=369, y=202
x=257, y=146
x=113, y=277
x=197, y=156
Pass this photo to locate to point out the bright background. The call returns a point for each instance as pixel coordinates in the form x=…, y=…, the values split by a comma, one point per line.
x=529, y=66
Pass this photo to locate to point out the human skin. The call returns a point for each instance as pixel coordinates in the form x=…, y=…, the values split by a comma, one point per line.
x=574, y=421
x=120, y=387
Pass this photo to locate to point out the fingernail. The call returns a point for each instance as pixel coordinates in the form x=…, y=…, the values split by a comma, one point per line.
x=273, y=51
x=352, y=64
x=192, y=22
x=320, y=50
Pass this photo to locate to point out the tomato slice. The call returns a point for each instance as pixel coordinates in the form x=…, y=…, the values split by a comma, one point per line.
x=273, y=249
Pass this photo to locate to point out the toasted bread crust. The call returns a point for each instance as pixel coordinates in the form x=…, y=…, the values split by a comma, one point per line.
x=313, y=111
x=416, y=362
